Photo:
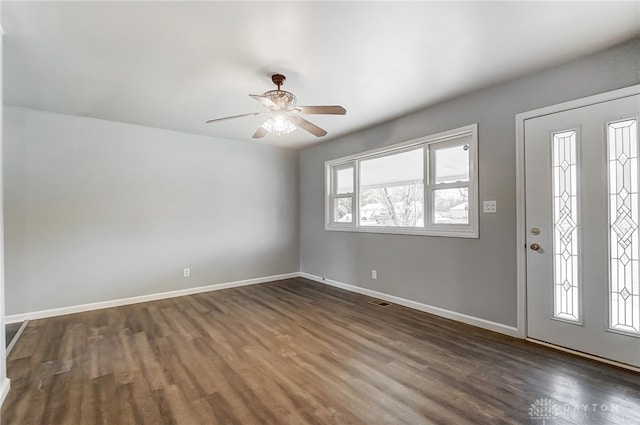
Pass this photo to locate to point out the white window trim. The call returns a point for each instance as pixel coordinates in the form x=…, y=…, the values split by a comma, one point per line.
x=470, y=230
x=333, y=195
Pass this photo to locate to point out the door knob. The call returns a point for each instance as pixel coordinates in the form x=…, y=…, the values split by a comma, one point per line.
x=534, y=247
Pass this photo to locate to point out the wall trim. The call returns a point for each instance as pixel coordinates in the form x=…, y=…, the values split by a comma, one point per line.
x=521, y=222
x=448, y=314
x=14, y=318
x=4, y=389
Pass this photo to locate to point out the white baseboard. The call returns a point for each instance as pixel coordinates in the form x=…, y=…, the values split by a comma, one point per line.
x=15, y=318
x=470, y=320
x=464, y=318
x=4, y=389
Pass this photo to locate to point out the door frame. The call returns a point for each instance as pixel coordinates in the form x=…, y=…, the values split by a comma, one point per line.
x=521, y=231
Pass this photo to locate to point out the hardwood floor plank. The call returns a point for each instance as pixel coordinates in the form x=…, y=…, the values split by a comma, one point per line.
x=164, y=409
x=88, y=407
x=146, y=408
x=200, y=377
x=153, y=372
x=179, y=324
x=222, y=410
x=69, y=411
x=295, y=352
x=202, y=410
x=240, y=393
x=55, y=407
x=106, y=400
x=307, y=393
x=181, y=411
x=127, y=405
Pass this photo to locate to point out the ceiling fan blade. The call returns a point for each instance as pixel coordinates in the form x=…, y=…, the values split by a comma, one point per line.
x=260, y=132
x=306, y=125
x=234, y=116
x=265, y=101
x=327, y=110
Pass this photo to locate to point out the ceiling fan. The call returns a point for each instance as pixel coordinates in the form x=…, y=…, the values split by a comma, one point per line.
x=283, y=113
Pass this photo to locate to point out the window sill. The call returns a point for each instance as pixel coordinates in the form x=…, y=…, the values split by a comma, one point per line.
x=448, y=233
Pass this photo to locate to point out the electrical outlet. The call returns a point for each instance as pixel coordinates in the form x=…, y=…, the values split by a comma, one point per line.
x=187, y=272
x=374, y=274
x=489, y=207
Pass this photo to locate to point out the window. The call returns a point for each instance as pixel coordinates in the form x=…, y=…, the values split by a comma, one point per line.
x=425, y=186
x=343, y=197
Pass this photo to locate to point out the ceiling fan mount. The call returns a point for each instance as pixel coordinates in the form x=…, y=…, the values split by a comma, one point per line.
x=284, y=114
x=278, y=79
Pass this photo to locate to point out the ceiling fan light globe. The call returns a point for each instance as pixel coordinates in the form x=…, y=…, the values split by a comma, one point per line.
x=278, y=125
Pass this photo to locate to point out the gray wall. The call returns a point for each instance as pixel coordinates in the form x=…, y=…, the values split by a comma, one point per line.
x=97, y=210
x=473, y=277
x=3, y=363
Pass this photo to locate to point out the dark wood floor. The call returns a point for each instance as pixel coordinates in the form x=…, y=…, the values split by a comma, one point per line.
x=297, y=352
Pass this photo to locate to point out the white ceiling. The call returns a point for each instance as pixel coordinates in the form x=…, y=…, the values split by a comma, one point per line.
x=174, y=65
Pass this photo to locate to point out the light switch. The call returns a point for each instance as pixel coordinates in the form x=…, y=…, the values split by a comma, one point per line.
x=489, y=207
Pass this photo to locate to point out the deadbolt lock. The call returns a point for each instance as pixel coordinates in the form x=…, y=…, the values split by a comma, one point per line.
x=535, y=231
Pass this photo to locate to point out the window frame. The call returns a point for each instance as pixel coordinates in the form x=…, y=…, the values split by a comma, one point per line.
x=459, y=136
x=349, y=195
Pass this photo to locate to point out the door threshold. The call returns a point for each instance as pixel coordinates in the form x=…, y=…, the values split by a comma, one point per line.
x=585, y=355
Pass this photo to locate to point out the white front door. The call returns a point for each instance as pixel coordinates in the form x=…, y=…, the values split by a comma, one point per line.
x=582, y=223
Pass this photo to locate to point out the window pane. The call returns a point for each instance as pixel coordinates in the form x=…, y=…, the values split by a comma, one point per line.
x=392, y=190
x=344, y=180
x=451, y=206
x=565, y=226
x=624, y=235
x=452, y=164
x=397, y=206
x=343, y=210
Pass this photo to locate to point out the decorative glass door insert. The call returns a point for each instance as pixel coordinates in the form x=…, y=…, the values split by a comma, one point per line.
x=624, y=246
x=565, y=226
